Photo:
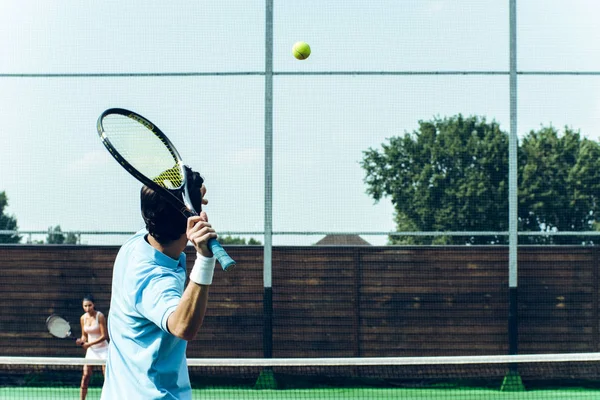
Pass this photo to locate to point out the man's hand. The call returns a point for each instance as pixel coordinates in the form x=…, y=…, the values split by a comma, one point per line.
x=197, y=190
x=202, y=193
x=199, y=231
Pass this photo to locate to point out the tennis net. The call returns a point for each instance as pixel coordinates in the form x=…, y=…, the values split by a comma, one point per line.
x=550, y=376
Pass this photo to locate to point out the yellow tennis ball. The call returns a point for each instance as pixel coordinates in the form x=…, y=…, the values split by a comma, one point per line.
x=301, y=50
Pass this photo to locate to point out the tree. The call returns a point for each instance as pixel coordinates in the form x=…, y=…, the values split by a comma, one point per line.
x=7, y=222
x=560, y=184
x=449, y=175
x=56, y=236
x=452, y=175
x=237, y=240
x=71, y=238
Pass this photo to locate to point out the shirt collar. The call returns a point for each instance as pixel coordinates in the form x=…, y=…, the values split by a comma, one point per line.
x=161, y=258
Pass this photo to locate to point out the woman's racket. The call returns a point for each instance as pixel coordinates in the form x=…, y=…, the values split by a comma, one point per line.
x=59, y=327
x=147, y=154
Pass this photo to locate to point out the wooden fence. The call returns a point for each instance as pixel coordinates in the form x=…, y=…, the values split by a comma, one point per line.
x=332, y=301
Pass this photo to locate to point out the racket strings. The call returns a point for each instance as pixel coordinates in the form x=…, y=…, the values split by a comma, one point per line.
x=143, y=149
x=59, y=327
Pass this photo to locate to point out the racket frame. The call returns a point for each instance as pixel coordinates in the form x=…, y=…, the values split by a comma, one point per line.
x=185, y=206
x=169, y=195
x=53, y=317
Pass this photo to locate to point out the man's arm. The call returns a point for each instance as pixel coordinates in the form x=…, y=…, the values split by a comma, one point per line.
x=186, y=320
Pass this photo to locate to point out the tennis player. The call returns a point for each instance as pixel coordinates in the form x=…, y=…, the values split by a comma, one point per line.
x=153, y=314
x=93, y=339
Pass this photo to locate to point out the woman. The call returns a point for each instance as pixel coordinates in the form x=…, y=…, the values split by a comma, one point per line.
x=94, y=336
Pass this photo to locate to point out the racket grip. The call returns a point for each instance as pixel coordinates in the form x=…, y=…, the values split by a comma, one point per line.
x=221, y=255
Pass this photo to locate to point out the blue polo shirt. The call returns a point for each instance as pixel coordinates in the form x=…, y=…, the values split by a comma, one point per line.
x=144, y=360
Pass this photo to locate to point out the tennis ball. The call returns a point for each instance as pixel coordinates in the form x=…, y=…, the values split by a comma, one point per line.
x=301, y=50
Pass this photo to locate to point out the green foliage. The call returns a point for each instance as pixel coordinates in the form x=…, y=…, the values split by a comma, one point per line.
x=56, y=236
x=559, y=184
x=237, y=240
x=71, y=238
x=7, y=222
x=449, y=175
x=452, y=175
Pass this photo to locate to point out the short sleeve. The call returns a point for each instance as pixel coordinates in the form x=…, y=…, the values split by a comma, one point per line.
x=158, y=297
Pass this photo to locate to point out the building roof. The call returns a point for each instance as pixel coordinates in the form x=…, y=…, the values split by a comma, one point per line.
x=342, y=240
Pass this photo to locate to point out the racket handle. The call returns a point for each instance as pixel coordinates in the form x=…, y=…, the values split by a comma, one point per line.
x=221, y=255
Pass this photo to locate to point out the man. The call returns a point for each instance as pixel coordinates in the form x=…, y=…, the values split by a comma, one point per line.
x=152, y=313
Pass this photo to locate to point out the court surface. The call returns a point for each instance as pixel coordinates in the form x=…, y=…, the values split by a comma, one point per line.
x=39, y=393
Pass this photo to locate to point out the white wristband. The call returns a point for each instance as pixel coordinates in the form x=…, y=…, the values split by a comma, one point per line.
x=203, y=270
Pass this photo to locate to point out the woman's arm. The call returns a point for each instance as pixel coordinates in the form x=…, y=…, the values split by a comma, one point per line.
x=83, y=338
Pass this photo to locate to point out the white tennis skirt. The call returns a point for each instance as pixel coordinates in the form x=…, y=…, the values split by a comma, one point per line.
x=97, y=353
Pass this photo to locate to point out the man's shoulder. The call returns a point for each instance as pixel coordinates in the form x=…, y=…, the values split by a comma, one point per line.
x=132, y=245
x=135, y=238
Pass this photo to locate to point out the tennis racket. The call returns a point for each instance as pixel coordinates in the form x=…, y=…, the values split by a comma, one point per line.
x=59, y=327
x=147, y=154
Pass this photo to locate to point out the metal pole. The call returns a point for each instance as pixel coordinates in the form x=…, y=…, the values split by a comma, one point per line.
x=268, y=235
x=513, y=322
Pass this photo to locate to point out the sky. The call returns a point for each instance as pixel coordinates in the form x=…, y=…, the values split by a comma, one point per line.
x=55, y=171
